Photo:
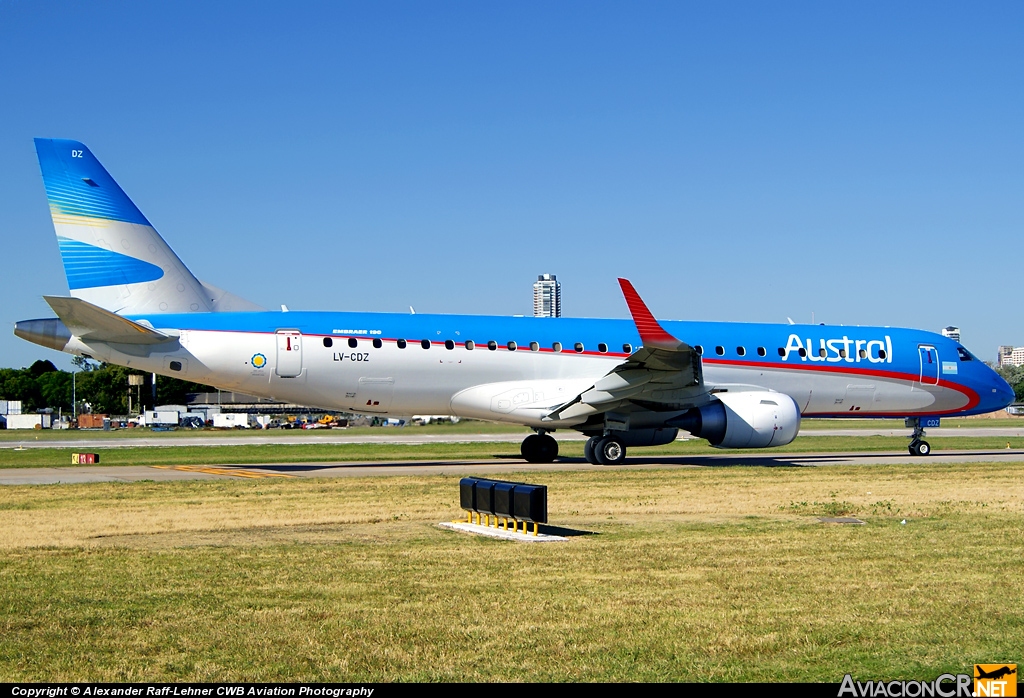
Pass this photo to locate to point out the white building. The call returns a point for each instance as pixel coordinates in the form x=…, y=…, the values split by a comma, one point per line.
x=1017, y=357
x=952, y=332
x=547, y=296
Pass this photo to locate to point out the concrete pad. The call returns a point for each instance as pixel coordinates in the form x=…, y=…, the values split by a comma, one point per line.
x=479, y=530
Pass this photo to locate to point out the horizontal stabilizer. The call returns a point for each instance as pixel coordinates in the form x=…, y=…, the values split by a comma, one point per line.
x=90, y=322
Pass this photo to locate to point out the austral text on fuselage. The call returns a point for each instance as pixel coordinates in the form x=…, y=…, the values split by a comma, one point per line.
x=877, y=351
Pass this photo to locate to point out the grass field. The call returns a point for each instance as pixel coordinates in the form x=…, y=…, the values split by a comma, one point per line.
x=328, y=453
x=700, y=574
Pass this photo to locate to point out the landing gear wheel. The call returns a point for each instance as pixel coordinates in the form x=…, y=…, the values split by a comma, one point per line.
x=920, y=448
x=539, y=448
x=610, y=451
x=588, y=450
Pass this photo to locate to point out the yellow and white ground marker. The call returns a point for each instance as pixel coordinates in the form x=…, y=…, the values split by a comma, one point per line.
x=504, y=534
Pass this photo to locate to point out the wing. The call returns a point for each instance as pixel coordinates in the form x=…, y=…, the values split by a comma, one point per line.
x=664, y=374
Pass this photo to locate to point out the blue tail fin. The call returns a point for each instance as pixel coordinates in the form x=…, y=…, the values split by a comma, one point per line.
x=113, y=257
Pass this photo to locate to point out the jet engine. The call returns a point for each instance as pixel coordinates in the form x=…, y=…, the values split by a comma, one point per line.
x=756, y=419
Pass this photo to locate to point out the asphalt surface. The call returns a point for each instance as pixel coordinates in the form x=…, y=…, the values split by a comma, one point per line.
x=82, y=474
x=402, y=436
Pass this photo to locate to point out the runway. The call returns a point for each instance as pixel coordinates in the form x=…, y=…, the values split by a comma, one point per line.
x=164, y=473
x=411, y=437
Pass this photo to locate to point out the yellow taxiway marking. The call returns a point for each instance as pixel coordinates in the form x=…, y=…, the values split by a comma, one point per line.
x=211, y=470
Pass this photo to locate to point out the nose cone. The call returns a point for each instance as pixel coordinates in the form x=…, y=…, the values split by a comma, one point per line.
x=1002, y=394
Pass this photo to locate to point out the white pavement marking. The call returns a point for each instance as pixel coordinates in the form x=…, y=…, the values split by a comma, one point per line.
x=413, y=439
x=281, y=440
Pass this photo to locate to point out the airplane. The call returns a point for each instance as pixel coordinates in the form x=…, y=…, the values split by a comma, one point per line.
x=995, y=673
x=623, y=383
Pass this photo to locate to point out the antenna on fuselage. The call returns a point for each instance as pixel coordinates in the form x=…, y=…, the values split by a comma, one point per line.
x=412, y=310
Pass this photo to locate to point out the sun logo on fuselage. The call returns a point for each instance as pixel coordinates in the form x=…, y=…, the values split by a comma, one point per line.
x=259, y=360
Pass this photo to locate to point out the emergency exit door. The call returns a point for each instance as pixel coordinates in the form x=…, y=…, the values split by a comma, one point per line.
x=289, y=353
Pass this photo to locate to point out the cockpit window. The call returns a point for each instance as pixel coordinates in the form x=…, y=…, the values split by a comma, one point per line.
x=964, y=354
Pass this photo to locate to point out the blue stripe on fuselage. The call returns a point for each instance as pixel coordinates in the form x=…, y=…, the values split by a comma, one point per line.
x=904, y=358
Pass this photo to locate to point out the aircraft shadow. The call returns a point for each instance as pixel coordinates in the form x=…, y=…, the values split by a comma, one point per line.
x=747, y=460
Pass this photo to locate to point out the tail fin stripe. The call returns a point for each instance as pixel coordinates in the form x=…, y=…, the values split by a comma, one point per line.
x=87, y=266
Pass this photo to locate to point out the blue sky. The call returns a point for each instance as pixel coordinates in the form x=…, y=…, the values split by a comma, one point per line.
x=737, y=161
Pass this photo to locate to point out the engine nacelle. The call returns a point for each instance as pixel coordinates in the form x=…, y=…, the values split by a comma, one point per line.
x=744, y=420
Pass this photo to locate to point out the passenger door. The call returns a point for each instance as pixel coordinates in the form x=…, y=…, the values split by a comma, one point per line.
x=289, y=353
x=929, y=364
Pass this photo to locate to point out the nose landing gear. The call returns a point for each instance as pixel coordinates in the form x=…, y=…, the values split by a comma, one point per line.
x=918, y=446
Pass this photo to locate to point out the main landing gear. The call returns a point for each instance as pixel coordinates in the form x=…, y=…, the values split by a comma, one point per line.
x=539, y=448
x=918, y=446
x=604, y=450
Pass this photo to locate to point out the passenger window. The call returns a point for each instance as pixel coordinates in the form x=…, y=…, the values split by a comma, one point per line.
x=352, y=343
x=802, y=352
x=741, y=351
x=782, y=352
x=492, y=345
x=862, y=354
x=377, y=344
x=578, y=346
x=449, y=344
x=328, y=342
x=881, y=353
x=761, y=351
x=627, y=348
x=822, y=352
x=401, y=343
x=511, y=346
x=470, y=344
x=534, y=346
x=842, y=353
x=425, y=343
x=720, y=350
x=603, y=348
x=700, y=350
x=556, y=347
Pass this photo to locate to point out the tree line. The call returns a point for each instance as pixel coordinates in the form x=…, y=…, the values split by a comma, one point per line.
x=1014, y=375
x=103, y=387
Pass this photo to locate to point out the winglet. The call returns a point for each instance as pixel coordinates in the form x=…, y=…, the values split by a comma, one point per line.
x=652, y=334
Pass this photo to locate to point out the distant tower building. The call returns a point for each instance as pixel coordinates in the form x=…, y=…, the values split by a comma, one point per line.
x=1003, y=357
x=547, y=296
x=952, y=332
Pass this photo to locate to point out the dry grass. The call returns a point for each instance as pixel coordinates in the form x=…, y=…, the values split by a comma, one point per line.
x=695, y=574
